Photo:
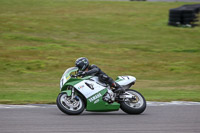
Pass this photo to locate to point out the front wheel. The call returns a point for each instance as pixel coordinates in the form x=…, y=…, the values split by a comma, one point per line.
x=70, y=106
x=135, y=105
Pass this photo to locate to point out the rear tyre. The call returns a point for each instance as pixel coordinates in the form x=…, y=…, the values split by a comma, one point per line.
x=137, y=105
x=70, y=106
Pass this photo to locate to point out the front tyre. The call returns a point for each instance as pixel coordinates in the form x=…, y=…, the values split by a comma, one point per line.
x=135, y=105
x=70, y=106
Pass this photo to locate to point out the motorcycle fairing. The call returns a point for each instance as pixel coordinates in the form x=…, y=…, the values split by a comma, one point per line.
x=93, y=91
x=96, y=103
x=88, y=87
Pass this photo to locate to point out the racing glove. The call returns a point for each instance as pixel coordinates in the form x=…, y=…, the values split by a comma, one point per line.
x=81, y=73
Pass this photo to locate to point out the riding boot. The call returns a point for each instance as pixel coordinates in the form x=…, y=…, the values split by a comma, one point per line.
x=118, y=88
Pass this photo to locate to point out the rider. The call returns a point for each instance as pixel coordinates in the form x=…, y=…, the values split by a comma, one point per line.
x=85, y=70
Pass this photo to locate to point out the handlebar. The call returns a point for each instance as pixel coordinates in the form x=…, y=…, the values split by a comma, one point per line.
x=76, y=75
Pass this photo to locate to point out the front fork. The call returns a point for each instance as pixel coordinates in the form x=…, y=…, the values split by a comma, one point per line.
x=73, y=95
x=70, y=91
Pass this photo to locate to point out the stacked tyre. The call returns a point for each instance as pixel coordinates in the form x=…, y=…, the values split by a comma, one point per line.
x=175, y=16
x=184, y=15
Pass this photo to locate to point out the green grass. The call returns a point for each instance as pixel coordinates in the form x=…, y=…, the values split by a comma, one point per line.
x=39, y=39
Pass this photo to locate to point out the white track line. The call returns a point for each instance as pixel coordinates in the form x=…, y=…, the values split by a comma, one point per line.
x=172, y=103
x=17, y=106
x=149, y=103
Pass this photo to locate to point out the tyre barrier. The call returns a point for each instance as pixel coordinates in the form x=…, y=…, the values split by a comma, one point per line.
x=185, y=15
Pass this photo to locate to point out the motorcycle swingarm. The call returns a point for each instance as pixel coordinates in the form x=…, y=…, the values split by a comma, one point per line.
x=125, y=97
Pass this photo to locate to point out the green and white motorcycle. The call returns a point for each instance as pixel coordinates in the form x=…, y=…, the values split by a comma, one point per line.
x=88, y=93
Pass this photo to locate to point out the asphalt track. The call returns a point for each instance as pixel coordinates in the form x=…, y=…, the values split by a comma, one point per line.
x=157, y=118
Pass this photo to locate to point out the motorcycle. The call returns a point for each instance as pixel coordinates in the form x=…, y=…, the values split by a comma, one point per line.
x=88, y=93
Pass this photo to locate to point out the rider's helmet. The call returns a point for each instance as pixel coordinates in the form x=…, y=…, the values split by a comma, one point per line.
x=82, y=63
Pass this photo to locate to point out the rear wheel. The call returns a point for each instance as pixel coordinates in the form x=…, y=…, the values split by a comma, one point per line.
x=70, y=106
x=135, y=105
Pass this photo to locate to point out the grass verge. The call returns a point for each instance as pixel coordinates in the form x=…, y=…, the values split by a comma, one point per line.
x=39, y=39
